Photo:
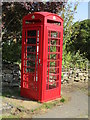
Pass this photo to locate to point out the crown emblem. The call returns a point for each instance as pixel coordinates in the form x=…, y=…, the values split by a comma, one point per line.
x=33, y=17
x=54, y=18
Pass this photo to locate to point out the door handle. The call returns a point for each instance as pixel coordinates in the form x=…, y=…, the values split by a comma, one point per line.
x=39, y=61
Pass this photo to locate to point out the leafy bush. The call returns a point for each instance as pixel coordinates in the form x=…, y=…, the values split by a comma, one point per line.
x=11, y=52
x=80, y=38
x=72, y=60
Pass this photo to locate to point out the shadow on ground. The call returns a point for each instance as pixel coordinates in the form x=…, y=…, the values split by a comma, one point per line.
x=14, y=93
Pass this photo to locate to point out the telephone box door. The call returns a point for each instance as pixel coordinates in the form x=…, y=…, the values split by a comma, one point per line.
x=53, y=82
x=32, y=62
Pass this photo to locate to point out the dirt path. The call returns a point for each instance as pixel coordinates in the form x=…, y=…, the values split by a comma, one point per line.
x=77, y=107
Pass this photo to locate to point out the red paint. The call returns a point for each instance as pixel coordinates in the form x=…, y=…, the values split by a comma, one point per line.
x=42, y=39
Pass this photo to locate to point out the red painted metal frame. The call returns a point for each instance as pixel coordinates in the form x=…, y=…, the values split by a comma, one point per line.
x=44, y=22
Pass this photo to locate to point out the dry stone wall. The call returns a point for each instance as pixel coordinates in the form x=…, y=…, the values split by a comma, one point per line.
x=75, y=75
x=11, y=74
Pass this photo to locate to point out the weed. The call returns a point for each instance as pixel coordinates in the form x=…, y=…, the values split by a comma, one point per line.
x=32, y=110
x=47, y=106
x=62, y=100
x=50, y=104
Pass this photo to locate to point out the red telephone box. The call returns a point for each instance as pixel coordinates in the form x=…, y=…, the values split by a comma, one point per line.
x=42, y=39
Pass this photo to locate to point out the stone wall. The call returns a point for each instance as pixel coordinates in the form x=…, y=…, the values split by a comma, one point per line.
x=75, y=75
x=11, y=74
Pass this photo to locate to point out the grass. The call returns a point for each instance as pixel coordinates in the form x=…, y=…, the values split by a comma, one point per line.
x=49, y=105
x=9, y=116
x=43, y=108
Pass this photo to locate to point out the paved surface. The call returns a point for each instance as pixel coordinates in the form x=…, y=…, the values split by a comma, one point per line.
x=77, y=107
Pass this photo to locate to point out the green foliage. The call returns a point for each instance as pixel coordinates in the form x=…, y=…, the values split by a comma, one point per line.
x=12, y=14
x=79, y=61
x=80, y=38
x=11, y=52
x=75, y=60
x=48, y=105
x=51, y=104
x=12, y=21
x=68, y=15
x=62, y=75
x=72, y=57
x=62, y=100
x=67, y=58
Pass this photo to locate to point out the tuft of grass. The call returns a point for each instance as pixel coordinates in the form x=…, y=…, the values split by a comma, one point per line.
x=62, y=100
x=47, y=105
x=32, y=110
